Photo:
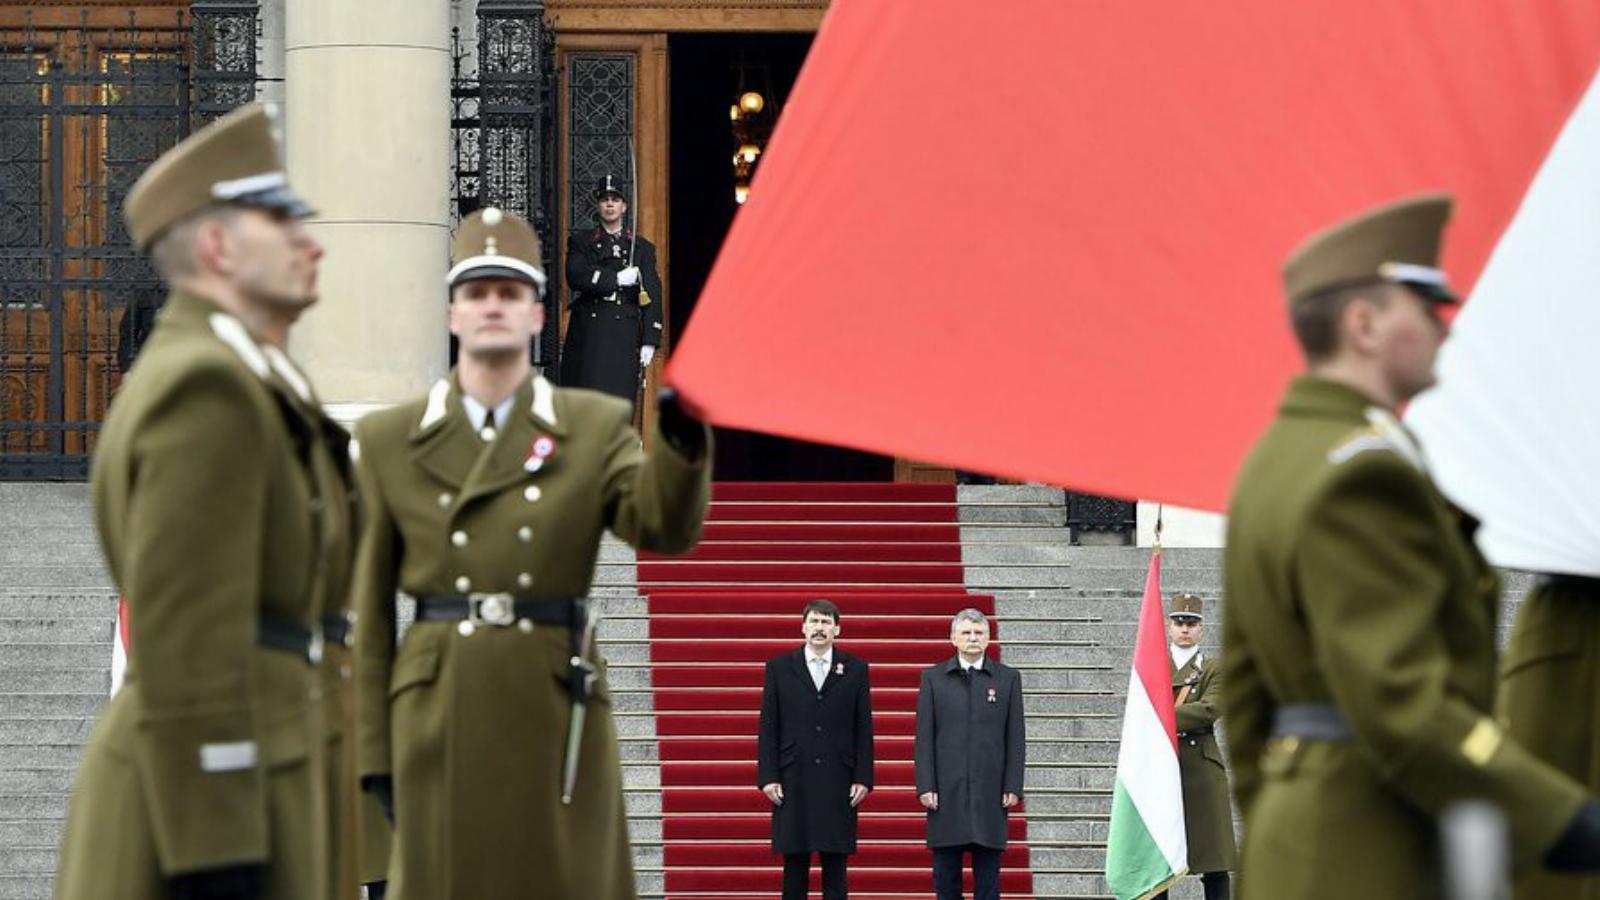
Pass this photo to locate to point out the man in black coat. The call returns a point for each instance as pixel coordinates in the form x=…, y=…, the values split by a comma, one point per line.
x=814, y=753
x=615, y=322
x=971, y=741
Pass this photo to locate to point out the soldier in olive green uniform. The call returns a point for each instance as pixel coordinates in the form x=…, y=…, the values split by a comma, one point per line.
x=224, y=522
x=1197, y=700
x=486, y=500
x=1359, y=641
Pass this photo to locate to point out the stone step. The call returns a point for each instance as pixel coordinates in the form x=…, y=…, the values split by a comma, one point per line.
x=37, y=730
x=41, y=780
x=72, y=630
x=21, y=680
x=74, y=604
x=1010, y=494
x=80, y=577
x=1011, y=514
x=38, y=833
x=55, y=656
x=28, y=706
x=25, y=887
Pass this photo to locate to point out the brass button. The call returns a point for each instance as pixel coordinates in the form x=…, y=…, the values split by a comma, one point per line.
x=445, y=500
x=525, y=626
x=466, y=628
x=459, y=538
x=525, y=534
x=532, y=493
x=524, y=580
x=487, y=433
x=463, y=584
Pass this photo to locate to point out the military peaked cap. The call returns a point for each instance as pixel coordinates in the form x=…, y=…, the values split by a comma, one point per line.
x=492, y=243
x=1186, y=606
x=1397, y=243
x=610, y=184
x=234, y=161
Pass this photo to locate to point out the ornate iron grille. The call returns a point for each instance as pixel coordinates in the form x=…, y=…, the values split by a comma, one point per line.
x=83, y=111
x=503, y=129
x=600, y=132
x=1092, y=513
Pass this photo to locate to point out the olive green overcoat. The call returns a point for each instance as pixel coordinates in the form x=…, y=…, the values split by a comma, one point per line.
x=1351, y=581
x=1207, y=808
x=474, y=731
x=208, y=485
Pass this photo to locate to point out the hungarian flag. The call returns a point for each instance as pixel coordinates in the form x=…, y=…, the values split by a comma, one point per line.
x=1511, y=432
x=1147, y=849
x=1000, y=240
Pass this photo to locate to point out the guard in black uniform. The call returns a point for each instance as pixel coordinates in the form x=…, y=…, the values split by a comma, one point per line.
x=615, y=323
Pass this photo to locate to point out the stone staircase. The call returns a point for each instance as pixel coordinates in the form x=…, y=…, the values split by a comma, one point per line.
x=1066, y=617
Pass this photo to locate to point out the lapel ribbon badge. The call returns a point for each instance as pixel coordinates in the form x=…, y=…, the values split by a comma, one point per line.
x=991, y=696
x=838, y=669
x=542, y=447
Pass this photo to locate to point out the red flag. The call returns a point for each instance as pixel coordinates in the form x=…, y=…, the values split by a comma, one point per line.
x=1043, y=240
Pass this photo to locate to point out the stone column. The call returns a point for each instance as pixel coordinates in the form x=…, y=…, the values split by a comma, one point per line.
x=367, y=133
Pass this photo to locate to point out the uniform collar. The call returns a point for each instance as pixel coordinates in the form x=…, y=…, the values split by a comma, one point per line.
x=1313, y=395
x=1182, y=657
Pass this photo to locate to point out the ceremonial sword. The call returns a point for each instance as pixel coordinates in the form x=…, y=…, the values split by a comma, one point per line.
x=582, y=678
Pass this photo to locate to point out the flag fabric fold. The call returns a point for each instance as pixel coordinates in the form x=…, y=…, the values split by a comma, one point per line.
x=1147, y=848
x=976, y=265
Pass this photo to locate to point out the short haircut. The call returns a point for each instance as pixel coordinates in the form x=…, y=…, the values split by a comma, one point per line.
x=823, y=607
x=970, y=614
x=1315, y=318
x=173, y=252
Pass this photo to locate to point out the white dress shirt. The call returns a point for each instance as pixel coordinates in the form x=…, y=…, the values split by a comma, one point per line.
x=478, y=415
x=819, y=666
x=1181, y=655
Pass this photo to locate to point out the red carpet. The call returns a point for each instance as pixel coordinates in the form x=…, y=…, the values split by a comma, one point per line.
x=890, y=556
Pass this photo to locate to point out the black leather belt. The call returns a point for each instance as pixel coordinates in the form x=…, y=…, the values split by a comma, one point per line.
x=1198, y=732
x=339, y=628
x=1311, y=722
x=500, y=609
x=276, y=633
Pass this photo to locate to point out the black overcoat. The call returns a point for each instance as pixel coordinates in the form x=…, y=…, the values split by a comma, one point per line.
x=607, y=325
x=815, y=744
x=970, y=749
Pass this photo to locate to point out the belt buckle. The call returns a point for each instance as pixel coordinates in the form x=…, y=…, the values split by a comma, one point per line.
x=491, y=609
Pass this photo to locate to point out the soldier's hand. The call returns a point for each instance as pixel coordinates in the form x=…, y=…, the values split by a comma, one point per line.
x=683, y=431
x=858, y=793
x=229, y=883
x=1008, y=800
x=628, y=277
x=1578, y=848
x=774, y=792
x=646, y=353
x=381, y=787
x=930, y=800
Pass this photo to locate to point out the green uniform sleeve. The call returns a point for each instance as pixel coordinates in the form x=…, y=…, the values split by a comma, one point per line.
x=655, y=500
x=192, y=577
x=1370, y=571
x=1248, y=707
x=1202, y=709
x=376, y=579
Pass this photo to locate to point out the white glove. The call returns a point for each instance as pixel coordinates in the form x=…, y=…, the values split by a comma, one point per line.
x=646, y=353
x=628, y=277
